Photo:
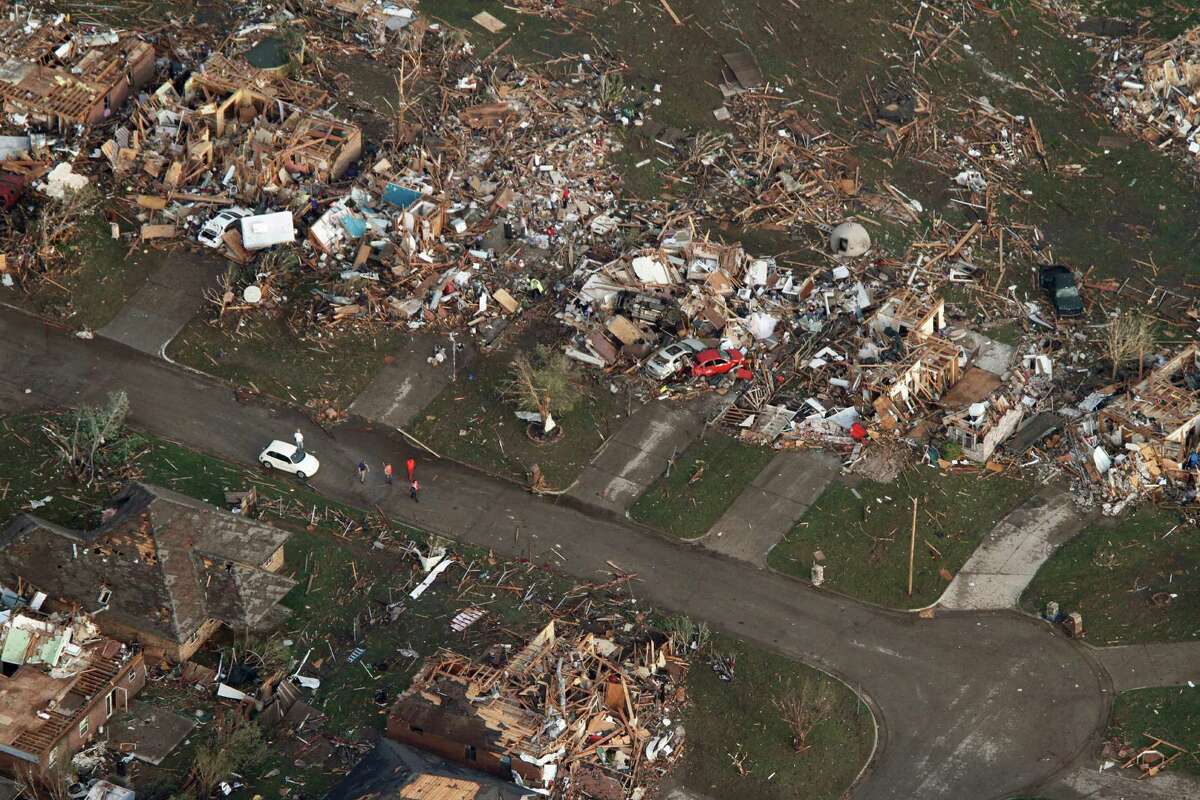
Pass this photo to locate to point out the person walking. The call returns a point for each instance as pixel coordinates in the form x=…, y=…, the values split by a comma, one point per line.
x=411, y=464
x=363, y=469
x=387, y=473
x=299, y=437
x=413, y=489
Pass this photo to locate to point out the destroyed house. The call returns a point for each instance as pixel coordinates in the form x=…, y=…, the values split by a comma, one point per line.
x=1163, y=410
x=249, y=132
x=909, y=314
x=451, y=716
x=283, y=118
x=571, y=715
x=917, y=366
x=982, y=425
x=61, y=76
x=60, y=682
x=162, y=569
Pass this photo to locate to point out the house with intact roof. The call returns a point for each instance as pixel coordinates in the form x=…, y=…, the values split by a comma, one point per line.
x=162, y=569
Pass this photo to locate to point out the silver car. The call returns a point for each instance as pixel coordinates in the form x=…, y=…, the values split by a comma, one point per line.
x=668, y=360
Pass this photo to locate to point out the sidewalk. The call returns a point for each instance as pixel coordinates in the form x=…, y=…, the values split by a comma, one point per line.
x=633, y=457
x=1143, y=666
x=1090, y=783
x=1007, y=559
x=771, y=504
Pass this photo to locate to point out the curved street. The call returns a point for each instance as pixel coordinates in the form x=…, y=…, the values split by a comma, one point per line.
x=968, y=704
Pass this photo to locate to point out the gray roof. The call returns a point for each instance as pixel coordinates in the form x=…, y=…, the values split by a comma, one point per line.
x=172, y=562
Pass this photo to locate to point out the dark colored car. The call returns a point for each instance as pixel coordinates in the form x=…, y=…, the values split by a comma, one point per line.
x=1058, y=282
x=717, y=362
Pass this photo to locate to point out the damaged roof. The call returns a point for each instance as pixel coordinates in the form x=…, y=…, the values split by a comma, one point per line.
x=169, y=561
x=393, y=771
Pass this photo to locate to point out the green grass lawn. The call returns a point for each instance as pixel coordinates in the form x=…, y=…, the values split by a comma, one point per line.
x=266, y=354
x=864, y=532
x=706, y=479
x=343, y=586
x=1110, y=571
x=470, y=422
x=739, y=719
x=97, y=279
x=1172, y=714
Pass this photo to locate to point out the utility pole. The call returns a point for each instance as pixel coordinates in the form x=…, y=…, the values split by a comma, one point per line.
x=453, y=359
x=912, y=547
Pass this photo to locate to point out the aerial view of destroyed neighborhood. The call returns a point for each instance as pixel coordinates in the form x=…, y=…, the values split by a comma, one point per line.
x=600, y=400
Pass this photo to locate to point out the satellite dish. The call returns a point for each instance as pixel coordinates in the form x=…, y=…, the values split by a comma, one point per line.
x=252, y=294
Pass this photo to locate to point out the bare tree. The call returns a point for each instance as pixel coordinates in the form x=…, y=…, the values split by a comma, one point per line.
x=1127, y=336
x=548, y=381
x=85, y=432
x=804, y=709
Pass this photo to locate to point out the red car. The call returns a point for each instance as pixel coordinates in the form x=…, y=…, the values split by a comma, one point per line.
x=716, y=362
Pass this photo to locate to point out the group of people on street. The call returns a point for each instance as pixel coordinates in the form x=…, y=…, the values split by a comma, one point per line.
x=389, y=475
x=414, y=486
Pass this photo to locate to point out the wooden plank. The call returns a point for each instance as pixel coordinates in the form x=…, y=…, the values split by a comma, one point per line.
x=184, y=197
x=158, y=231
x=506, y=300
x=151, y=202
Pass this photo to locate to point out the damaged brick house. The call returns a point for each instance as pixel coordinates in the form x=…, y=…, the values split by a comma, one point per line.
x=60, y=682
x=62, y=76
x=1162, y=411
x=162, y=569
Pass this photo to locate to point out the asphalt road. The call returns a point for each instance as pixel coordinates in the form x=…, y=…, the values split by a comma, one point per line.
x=968, y=704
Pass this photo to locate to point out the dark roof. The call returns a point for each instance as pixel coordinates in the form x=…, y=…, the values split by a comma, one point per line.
x=171, y=562
x=391, y=766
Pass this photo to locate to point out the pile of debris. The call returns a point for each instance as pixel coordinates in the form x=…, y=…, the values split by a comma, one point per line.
x=571, y=714
x=1153, y=91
